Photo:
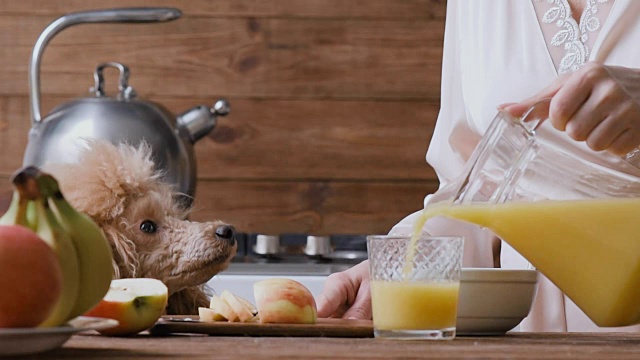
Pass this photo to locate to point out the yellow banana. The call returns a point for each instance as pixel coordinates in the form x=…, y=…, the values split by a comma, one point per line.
x=53, y=234
x=16, y=214
x=50, y=230
x=94, y=252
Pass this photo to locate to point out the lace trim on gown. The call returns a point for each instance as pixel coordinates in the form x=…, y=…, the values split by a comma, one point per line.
x=568, y=41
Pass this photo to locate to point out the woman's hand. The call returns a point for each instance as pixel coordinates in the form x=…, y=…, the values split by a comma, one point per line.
x=597, y=103
x=346, y=294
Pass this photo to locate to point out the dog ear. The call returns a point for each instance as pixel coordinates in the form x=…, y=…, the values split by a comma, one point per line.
x=125, y=261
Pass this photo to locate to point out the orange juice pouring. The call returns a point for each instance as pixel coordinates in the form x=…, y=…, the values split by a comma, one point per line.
x=589, y=248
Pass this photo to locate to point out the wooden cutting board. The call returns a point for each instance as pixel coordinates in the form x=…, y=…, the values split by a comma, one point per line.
x=176, y=324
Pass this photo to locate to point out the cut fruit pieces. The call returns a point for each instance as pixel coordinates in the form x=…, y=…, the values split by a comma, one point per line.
x=208, y=314
x=242, y=307
x=223, y=308
x=278, y=300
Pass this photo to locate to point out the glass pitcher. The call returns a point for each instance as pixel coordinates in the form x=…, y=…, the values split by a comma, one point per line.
x=577, y=221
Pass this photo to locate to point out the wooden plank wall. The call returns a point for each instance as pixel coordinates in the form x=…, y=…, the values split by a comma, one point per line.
x=333, y=101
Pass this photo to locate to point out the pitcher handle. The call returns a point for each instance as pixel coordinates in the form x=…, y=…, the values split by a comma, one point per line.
x=135, y=15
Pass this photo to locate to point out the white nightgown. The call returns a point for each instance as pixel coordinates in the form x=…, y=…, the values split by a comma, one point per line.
x=499, y=51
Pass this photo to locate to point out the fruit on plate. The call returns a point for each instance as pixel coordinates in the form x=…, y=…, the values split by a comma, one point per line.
x=244, y=310
x=31, y=279
x=281, y=300
x=82, y=250
x=136, y=303
x=29, y=207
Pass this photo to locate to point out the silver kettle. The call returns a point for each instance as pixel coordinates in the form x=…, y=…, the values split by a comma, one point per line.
x=122, y=118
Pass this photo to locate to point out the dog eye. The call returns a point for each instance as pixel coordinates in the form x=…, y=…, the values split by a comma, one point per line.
x=148, y=226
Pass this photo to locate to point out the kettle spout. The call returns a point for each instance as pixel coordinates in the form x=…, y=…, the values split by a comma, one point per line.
x=199, y=121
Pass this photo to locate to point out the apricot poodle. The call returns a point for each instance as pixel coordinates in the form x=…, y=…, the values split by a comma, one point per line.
x=121, y=190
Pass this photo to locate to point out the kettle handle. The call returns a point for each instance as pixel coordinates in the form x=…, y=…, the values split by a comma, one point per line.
x=136, y=15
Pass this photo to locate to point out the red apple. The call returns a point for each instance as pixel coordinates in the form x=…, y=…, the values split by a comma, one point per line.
x=31, y=279
x=136, y=303
x=282, y=300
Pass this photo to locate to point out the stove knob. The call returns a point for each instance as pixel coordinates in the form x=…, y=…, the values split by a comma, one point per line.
x=267, y=245
x=318, y=245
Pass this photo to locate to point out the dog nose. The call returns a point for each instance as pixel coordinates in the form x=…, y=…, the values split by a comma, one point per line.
x=226, y=232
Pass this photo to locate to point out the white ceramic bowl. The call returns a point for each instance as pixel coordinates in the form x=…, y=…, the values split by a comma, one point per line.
x=494, y=301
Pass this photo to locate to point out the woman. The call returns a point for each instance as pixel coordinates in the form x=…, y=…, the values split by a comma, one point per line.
x=585, y=55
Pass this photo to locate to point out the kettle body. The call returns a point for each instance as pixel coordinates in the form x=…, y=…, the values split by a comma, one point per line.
x=123, y=118
x=60, y=137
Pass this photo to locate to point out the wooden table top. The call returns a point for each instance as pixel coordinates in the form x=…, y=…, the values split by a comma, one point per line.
x=513, y=346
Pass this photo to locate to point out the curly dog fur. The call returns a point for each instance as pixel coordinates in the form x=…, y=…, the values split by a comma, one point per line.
x=120, y=189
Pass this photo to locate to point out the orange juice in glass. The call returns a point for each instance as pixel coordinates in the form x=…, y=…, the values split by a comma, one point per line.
x=415, y=285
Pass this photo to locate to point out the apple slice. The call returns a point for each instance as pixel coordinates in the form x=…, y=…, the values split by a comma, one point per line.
x=207, y=314
x=223, y=308
x=281, y=300
x=136, y=303
x=242, y=307
x=250, y=307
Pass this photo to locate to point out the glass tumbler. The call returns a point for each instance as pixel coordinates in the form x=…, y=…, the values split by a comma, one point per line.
x=415, y=284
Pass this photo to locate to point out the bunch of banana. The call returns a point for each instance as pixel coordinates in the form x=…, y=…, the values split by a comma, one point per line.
x=82, y=249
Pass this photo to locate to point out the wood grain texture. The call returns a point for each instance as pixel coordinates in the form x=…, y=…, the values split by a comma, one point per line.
x=233, y=56
x=557, y=346
x=369, y=9
x=309, y=207
x=333, y=101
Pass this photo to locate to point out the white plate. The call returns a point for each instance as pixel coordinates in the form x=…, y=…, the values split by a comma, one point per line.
x=22, y=341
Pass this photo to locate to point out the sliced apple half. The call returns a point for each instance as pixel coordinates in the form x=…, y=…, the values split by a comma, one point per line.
x=223, y=308
x=281, y=300
x=136, y=303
